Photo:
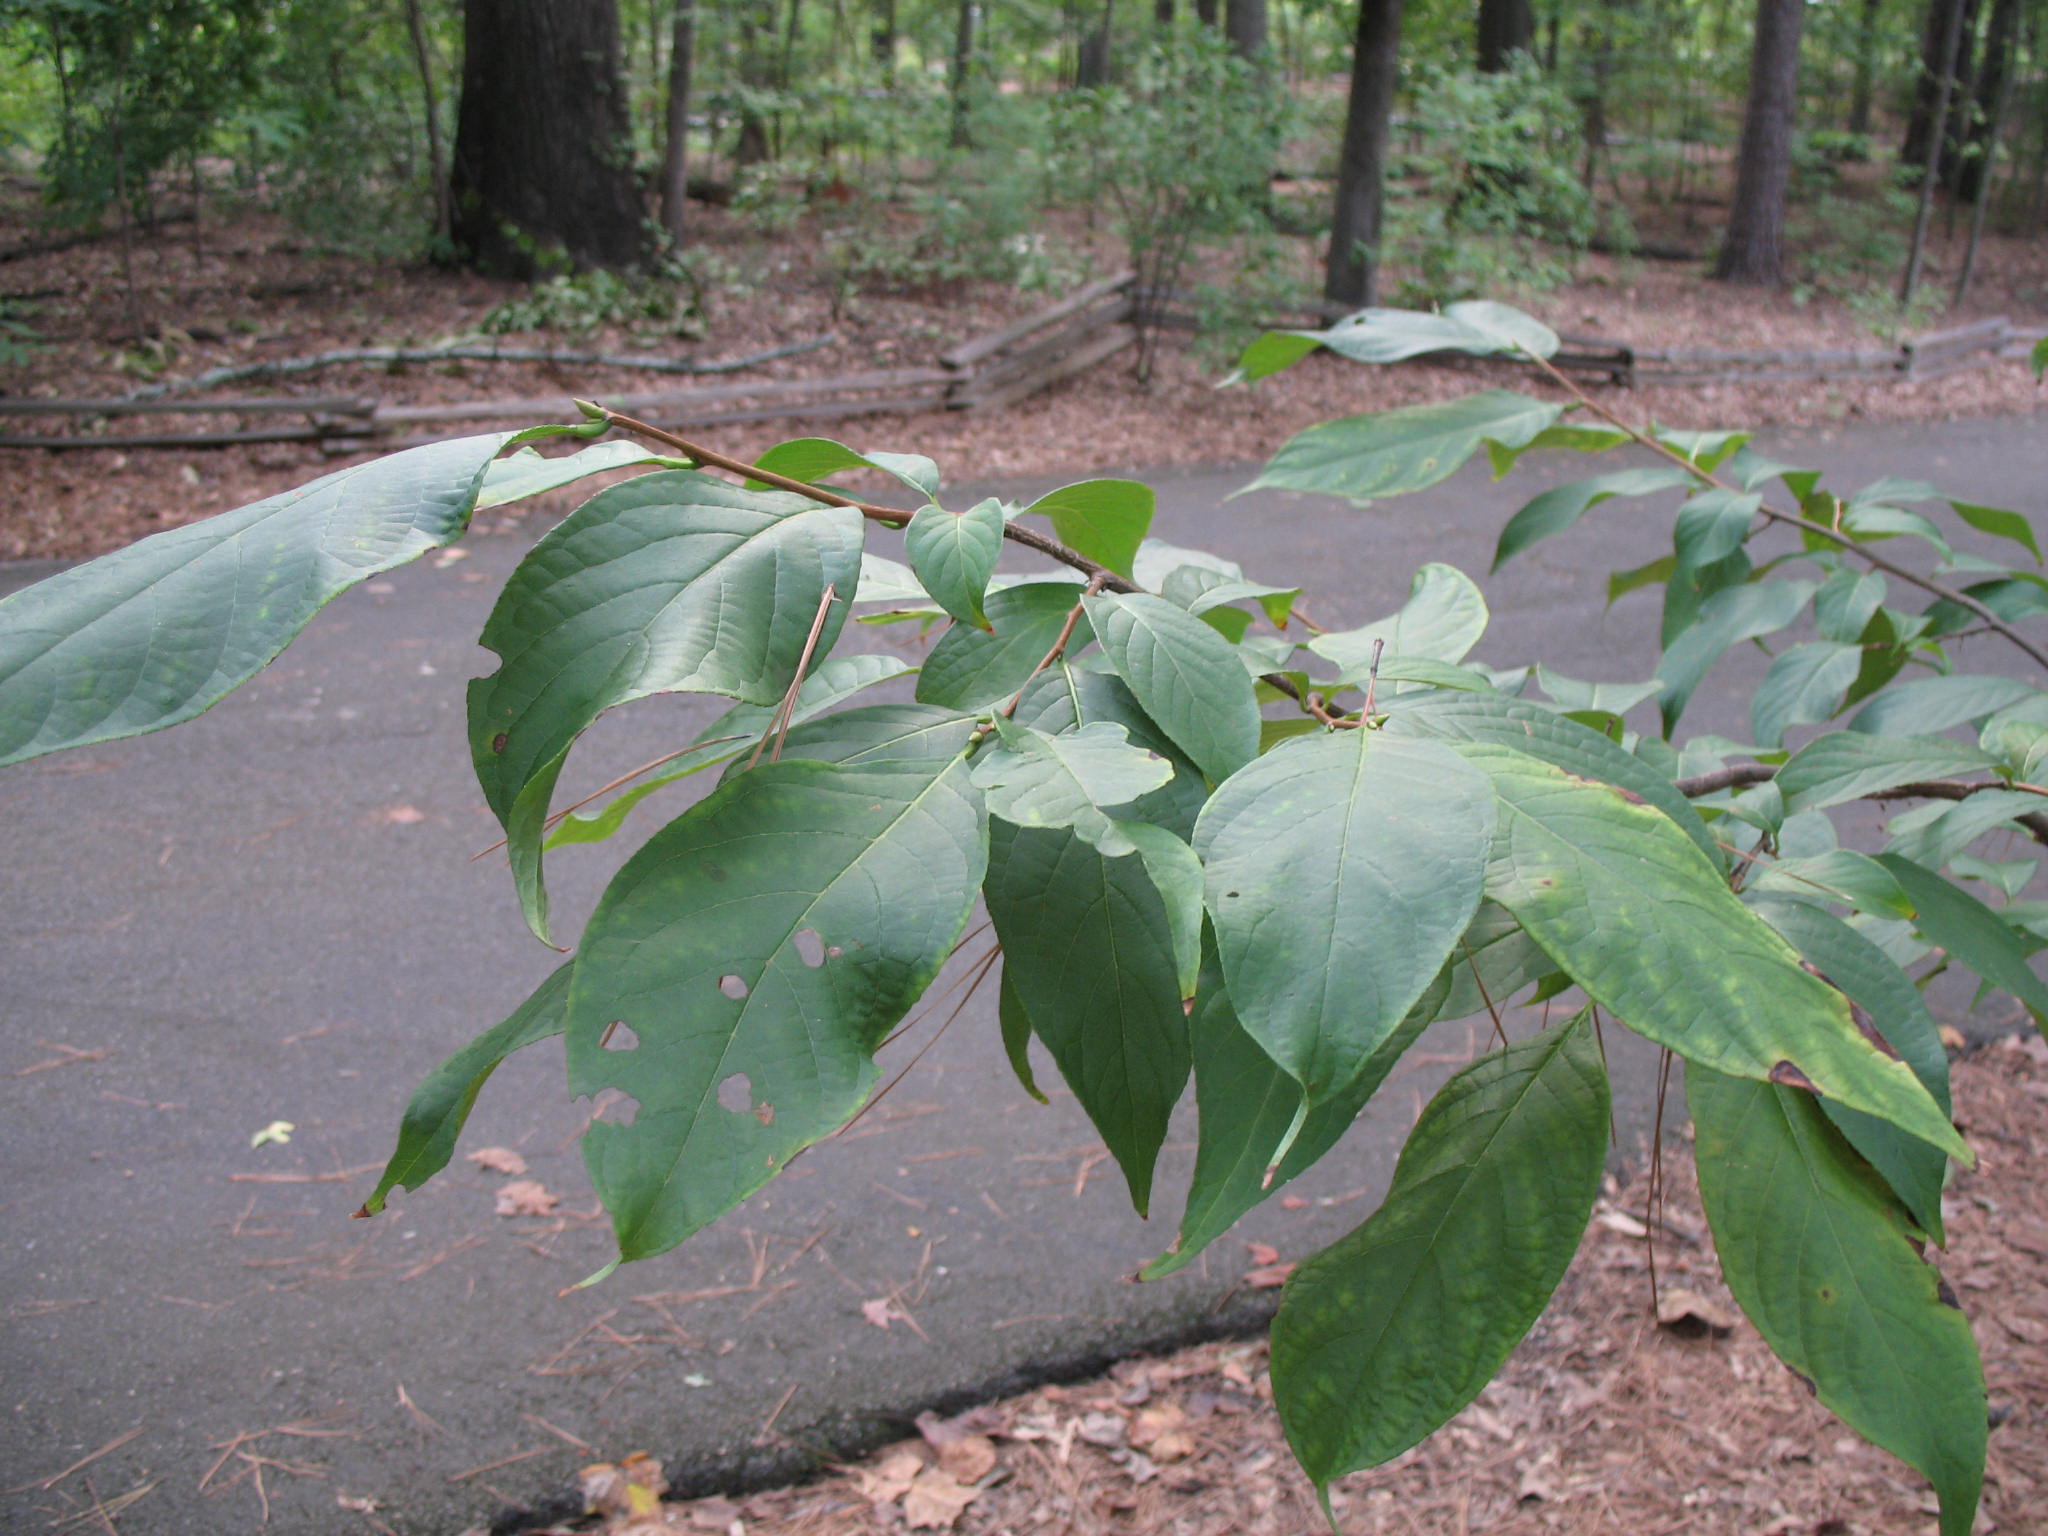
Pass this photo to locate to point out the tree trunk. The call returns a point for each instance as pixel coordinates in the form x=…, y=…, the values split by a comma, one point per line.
x=1930, y=174
x=423, y=60
x=1091, y=58
x=1973, y=163
x=1162, y=14
x=963, y=65
x=1244, y=24
x=1866, y=67
x=1205, y=13
x=1352, y=273
x=675, y=163
x=542, y=177
x=1935, y=83
x=1754, y=250
x=882, y=36
x=1506, y=28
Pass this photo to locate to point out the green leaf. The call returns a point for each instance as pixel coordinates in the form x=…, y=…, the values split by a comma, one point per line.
x=1603, y=698
x=1176, y=875
x=1973, y=934
x=811, y=459
x=1736, y=613
x=1088, y=946
x=1840, y=874
x=883, y=580
x=1822, y=1262
x=732, y=733
x=440, y=1106
x=1479, y=327
x=1342, y=870
x=741, y=969
x=1387, y=1333
x=1247, y=1105
x=1647, y=926
x=1442, y=620
x=1845, y=603
x=1891, y=1004
x=1063, y=697
x=1868, y=523
x=525, y=472
x=1184, y=675
x=1578, y=439
x=1804, y=686
x=1103, y=519
x=954, y=554
x=1200, y=590
x=1847, y=765
x=2000, y=524
x=1577, y=749
x=879, y=733
x=1557, y=509
x=1947, y=830
x=2038, y=358
x=1015, y=1024
x=971, y=668
x=1621, y=583
x=1035, y=780
x=1270, y=353
x=161, y=631
x=1706, y=449
x=1364, y=458
x=1935, y=703
x=670, y=583
x=1713, y=525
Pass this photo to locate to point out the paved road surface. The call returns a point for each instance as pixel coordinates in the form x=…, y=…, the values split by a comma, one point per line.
x=270, y=914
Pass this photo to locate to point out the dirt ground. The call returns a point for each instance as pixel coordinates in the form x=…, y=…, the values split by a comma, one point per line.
x=189, y=296
x=1606, y=1421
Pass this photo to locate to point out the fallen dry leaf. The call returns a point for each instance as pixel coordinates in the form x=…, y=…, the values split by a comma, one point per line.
x=968, y=1459
x=526, y=1197
x=1268, y=1276
x=891, y=1479
x=1264, y=1255
x=498, y=1159
x=1690, y=1315
x=935, y=1500
x=881, y=1311
x=714, y=1515
x=401, y=815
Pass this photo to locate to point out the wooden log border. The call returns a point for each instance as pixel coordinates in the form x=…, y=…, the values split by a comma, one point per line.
x=987, y=372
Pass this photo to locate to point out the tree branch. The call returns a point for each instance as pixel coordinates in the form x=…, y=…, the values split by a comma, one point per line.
x=1743, y=774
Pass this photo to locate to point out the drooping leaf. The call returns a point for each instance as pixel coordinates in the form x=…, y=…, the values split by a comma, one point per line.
x=879, y=733
x=743, y=966
x=1364, y=458
x=1387, y=1333
x=1566, y=744
x=161, y=631
x=1034, y=780
x=1805, y=685
x=673, y=582
x=440, y=1106
x=1556, y=510
x=1088, y=947
x=811, y=459
x=1706, y=449
x=1063, y=697
x=1846, y=765
x=1571, y=435
x=1887, y=997
x=1477, y=327
x=1840, y=874
x=971, y=668
x=1626, y=905
x=1735, y=613
x=1102, y=519
x=1845, y=602
x=1342, y=869
x=734, y=732
x=954, y=554
x=1712, y=525
x=1939, y=832
x=1015, y=1024
x=2000, y=524
x=1972, y=933
x=1820, y=1258
x=1183, y=674
x=1246, y=1105
x=1442, y=620
x=1933, y=704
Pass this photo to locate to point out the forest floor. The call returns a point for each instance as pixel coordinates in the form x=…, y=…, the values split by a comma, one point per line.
x=111, y=317
x=1607, y=1420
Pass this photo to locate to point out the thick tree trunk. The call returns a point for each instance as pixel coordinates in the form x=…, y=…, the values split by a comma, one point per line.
x=2000, y=36
x=541, y=175
x=1162, y=14
x=1942, y=58
x=963, y=65
x=1352, y=273
x=1506, y=28
x=1244, y=24
x=1754, y=250
x=675, y=163
x=1930, y=174
x=1091, y=58
x=1206, y=13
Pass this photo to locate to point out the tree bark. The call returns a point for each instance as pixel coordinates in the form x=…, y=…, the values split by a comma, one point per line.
x=1351, y=275
x=1973, y=162
x=1091, y=58
x=423, y=60
x=1941, y=60
x=542, y=177
x=963, y=65
x=1930, y=174
x=1244, y=24
x=675, y=162
x=882, y=36
x=1506, y=28
x=1205, y=13
x=1754, y=249
x=1866, y=68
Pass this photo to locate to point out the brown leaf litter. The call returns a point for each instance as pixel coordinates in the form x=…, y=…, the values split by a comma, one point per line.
x=1617, y=1415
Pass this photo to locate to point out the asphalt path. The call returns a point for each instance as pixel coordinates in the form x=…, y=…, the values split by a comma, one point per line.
x=272, y=914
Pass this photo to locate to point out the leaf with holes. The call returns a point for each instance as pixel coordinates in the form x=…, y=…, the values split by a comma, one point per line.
x=439, y=1107
x=1387, y=1333
x=1822, y=1261
x=749, y=959
x=163, y=630
x=1342, y=869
